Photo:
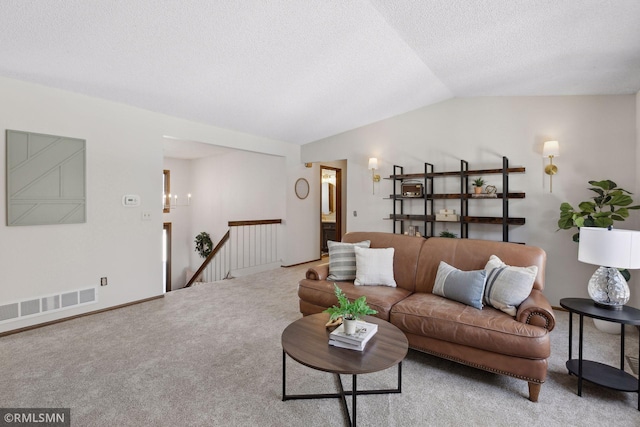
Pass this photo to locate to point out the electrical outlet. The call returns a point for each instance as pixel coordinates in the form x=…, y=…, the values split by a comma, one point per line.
x=146, y=216
x=103, y=281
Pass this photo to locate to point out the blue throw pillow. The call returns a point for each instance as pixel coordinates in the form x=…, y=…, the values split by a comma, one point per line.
x=466, y=287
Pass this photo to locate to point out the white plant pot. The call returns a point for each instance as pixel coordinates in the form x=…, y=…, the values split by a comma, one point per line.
x=349, y=326
x=608, y=327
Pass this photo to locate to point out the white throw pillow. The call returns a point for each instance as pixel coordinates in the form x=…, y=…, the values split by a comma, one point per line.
x=374, y=267
x=507, y=286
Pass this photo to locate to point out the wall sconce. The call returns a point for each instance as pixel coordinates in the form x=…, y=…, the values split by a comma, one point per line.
x=308, y=165
x=373, y=165
x=551, y=149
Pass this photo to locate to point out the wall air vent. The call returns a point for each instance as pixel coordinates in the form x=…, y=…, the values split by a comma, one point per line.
x=45, y=304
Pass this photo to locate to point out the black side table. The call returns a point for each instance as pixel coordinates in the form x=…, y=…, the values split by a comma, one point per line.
x=595, y=372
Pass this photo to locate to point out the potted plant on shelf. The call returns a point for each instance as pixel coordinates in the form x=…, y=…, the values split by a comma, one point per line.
x=477, y=184
x=349, y=311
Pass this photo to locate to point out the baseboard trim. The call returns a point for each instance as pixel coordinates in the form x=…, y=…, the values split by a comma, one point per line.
x=300, y=263
x=89, y=313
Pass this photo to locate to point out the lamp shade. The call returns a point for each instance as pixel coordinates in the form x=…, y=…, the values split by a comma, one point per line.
x=551, y=148
x=373, y=163
x=609, y=247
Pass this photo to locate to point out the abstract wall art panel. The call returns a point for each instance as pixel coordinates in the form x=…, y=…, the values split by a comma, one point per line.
x=46, y=179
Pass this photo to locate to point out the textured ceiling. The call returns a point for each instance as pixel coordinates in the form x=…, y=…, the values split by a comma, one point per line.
x=299, y=71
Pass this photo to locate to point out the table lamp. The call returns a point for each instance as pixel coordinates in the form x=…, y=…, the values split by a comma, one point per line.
x=610, y=249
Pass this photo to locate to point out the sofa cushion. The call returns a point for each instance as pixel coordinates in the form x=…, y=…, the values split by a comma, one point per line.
x=320, y=293
x=471, y=254
x=374, y=267
x=405, y=259
x=342, y=259
x=507, y=286
x=488, y=329
x=466, y=287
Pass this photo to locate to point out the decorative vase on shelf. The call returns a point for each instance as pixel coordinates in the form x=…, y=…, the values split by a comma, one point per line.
x=349, y=326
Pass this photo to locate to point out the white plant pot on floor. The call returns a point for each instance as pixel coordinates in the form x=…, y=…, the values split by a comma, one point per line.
x=608, y=327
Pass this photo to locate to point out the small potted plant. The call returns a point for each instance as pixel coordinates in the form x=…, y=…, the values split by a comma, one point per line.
x=448, y=234
x=478, y=183
x=349, y=311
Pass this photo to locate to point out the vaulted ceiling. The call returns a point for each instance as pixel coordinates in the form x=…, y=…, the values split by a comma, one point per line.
x=299, y=71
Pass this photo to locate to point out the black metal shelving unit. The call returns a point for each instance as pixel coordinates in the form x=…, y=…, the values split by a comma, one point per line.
x=428, y=217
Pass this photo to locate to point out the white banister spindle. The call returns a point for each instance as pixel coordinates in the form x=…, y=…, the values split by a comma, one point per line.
x=253, y=246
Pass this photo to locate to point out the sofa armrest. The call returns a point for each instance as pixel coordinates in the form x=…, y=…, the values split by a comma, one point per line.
x=537, y=311
x=319, y=272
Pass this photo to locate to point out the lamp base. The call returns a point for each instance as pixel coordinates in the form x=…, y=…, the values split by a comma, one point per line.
x=608, y=288
x=607, y=306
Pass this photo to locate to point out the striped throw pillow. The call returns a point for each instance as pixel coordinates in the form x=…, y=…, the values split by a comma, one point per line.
x=507, y=286
x=342, y=259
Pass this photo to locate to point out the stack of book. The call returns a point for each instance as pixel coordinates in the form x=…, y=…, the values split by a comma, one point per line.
x=356, y=341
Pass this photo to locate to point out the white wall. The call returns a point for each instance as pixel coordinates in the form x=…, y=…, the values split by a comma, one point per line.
x=124, y=156
x=235, y=186
x=597, y=137
x=634, y=301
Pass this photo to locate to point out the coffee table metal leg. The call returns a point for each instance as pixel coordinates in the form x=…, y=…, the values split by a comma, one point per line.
x=284, y=376
x=355, y=394
x=350, y=415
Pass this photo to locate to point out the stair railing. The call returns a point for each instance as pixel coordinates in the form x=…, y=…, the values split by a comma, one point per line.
x=248, y=247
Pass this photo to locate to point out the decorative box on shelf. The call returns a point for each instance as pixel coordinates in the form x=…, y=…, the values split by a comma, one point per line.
x=447, y=215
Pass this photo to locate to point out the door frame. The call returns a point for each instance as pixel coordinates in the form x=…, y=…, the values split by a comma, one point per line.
x=167, y=226
x=338, y=172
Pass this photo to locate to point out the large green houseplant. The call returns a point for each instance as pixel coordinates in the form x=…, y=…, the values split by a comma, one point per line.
x=350, y=311
x=609, y=204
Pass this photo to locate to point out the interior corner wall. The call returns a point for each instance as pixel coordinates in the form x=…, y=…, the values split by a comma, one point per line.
x=596, y=135
x=634, y=301
x=235, y=186
x=124, y=156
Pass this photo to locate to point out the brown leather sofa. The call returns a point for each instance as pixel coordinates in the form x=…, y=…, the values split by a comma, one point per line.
x=487, y=339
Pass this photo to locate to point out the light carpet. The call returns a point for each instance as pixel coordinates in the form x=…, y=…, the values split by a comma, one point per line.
x=210, y=355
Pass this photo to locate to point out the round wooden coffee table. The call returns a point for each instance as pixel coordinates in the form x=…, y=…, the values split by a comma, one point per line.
x=307, y=342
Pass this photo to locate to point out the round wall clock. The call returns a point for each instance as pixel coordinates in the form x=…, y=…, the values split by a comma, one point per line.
x=302, y=188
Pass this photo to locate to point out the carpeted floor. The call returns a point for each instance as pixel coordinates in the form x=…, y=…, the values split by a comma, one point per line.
x=211, y=356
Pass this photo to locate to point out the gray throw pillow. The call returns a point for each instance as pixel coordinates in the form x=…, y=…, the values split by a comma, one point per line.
x=342, y=259
x=466, y=287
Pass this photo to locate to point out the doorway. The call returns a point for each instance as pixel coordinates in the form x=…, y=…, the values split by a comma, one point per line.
x=166, y=256
x=330, y=206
